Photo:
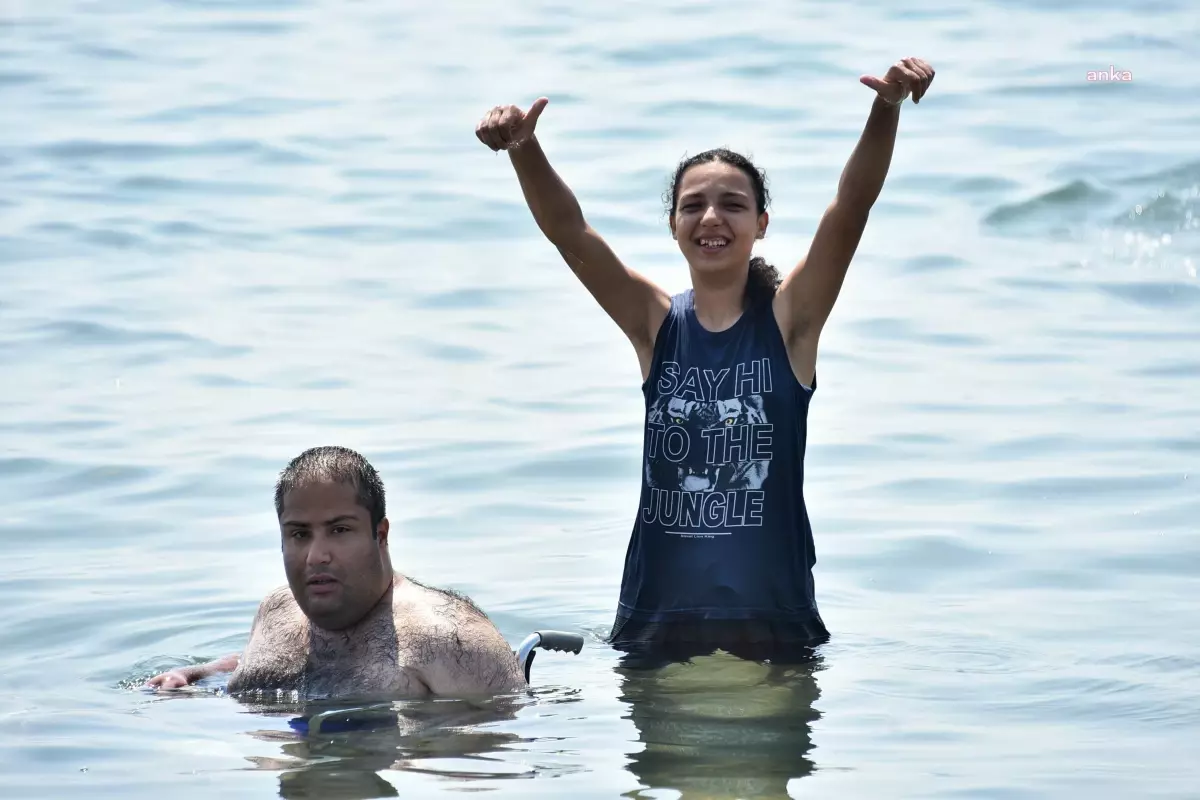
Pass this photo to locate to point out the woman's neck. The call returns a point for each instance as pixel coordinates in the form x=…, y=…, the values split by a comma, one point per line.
x=719, y=303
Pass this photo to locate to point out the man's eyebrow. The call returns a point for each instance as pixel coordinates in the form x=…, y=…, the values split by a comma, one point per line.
x=301, y=524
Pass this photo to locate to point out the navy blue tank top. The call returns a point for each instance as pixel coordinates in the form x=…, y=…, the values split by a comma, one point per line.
x=722, y=532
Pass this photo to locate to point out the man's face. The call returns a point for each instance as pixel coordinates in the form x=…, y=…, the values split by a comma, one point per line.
x=336, y=569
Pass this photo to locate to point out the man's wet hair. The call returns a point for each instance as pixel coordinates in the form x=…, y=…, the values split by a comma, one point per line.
x=338, y=464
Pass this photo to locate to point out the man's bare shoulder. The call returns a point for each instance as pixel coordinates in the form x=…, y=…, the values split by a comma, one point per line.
x=278, y=620
x=277, y=602
x=278, y=598
x=458, y=648
x=427, y=618
x=274, y=655
x=424, y=604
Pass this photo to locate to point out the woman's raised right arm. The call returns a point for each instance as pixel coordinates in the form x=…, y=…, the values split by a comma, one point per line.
x=636, y=304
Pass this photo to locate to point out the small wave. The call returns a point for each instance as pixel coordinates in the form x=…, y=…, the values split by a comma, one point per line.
x=242, y=108
x=160, y=185
x=103, y=53
x=1182, y=175
x=92, y=150
x=1077, y=196
x=1166, y=212
x=1155, y=294
x=1133, y=42
x=8, y=78
x=477, y=298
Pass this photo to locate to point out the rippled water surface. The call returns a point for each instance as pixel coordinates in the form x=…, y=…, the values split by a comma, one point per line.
x=231, y=231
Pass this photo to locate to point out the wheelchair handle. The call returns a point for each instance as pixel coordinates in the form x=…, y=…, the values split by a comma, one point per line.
x=547, y=640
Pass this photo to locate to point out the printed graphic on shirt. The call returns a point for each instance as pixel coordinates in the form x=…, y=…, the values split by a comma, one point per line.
x=708, y=449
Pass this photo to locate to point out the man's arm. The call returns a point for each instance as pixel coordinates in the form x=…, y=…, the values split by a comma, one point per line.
x=472, y=659
x=807, y=295
x=185, y=676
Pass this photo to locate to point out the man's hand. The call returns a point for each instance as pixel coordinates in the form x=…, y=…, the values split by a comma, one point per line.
x=174, y=679
x=185, y=676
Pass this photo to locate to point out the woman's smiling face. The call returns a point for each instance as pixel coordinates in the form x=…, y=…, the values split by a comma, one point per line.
x=716, y=217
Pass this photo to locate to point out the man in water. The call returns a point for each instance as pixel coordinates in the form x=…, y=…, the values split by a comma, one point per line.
x=347, y=624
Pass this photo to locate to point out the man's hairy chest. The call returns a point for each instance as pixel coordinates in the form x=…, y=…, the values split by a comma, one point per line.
x=286, y=653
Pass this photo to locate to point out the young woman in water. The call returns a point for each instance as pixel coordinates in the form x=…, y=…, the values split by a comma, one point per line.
x=721, y=553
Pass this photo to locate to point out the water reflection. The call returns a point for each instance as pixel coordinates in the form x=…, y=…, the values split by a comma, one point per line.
x=337, y=751
x=722, y=727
